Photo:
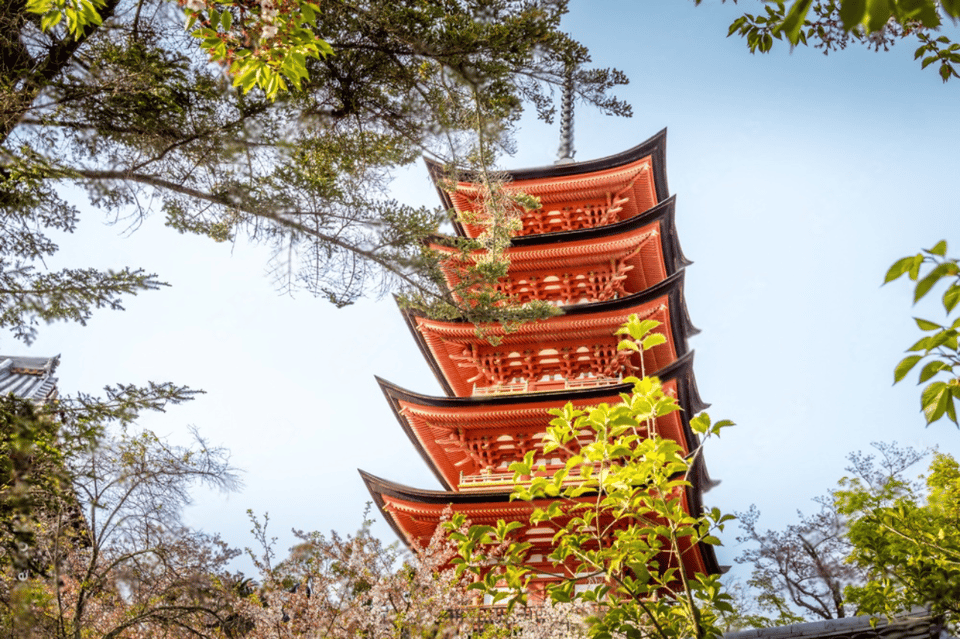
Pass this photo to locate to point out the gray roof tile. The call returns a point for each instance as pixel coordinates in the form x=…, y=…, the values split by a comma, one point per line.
x=29, y=377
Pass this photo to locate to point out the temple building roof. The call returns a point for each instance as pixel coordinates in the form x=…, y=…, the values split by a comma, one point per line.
x=414, y=515
x=577, y=348
x=573, y=195
x=916, y=624
x=589, y=265
x=29, y=377
x=469, y=442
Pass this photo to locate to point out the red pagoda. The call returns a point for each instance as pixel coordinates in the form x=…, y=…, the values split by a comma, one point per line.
x=602, y=247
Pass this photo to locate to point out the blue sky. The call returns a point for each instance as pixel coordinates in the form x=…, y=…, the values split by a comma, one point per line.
x=799, y=179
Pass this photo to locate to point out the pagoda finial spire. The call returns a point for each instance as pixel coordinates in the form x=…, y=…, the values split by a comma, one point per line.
x=565, y=153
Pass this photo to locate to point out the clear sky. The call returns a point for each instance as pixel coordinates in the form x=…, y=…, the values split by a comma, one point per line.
x=799, y=179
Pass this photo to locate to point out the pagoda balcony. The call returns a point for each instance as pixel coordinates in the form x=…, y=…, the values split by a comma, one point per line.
x=505, y=479
x=545, y=386
x=485, y=481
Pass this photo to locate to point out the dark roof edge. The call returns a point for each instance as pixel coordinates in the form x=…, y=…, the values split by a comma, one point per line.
x=371, y=481
x=378, y=487
x=393, y=399
x=666, y=286
x=655, y=146
x=680, y=370
x=400, y=491
x=672, y=286
x=409, y=316
x=916, y=624
x=664, y=212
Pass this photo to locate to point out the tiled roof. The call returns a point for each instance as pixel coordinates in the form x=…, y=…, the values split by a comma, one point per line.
x=918, y=624
x=29, y=377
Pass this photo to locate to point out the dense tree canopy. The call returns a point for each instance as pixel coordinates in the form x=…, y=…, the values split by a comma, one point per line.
x=131, y=111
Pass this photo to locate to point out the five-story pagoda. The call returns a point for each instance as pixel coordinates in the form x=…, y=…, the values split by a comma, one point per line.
x=603, y=246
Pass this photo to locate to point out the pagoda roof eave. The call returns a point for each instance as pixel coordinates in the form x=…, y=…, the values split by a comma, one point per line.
x=379, y=487
x=655, y=147
x=664, y=212
x=681, y=367
x=680, y=370
x=681, y=325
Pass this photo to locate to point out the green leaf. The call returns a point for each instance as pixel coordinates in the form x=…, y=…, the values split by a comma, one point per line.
x=50, y=20
x=904, y=367
x=922, y=11
x=792, y=24
x=940, y=248
x=654, y=339
x=852, y=13
x=924, y=285
x=927, y=325
x=628, y=345
x=901, y=266
x=934, y=401
x=39, y=6
x=951, y=297
x=931, y=369
x=951, y=7
x=226, y=20
x=878, y=12
x=952, y=412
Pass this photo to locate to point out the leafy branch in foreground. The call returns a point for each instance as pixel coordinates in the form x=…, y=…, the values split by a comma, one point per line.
x=831, y=25
x=264, y=44
x=619, y=517
x=800, y=573
x=907, y=539
x=28, y=297
x=928, y=268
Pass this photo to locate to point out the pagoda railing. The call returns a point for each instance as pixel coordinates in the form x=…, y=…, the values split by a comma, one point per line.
x=483, y=481
x=502, y=389
x=552, y=385
x=479, y=482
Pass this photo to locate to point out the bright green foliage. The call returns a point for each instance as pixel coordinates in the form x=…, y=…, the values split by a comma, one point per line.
x=831, y=24
x=908, y=540
x=940, y=346
x=79, y=14
x=283, y=33
x=262, y=43
x=619, y=515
